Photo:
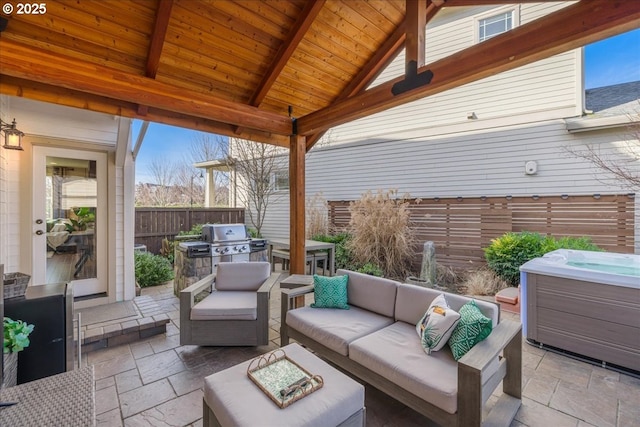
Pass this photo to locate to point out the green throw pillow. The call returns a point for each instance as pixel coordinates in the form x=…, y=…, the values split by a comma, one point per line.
x=330, y=292
x=472, y=328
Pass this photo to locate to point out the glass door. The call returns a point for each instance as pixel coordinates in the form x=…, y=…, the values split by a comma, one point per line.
x=69, y=205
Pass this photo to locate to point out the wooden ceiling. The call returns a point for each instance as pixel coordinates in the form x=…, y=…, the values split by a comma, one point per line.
x=246, y=67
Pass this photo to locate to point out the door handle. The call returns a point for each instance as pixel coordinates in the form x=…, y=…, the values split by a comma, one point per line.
x=39, y=232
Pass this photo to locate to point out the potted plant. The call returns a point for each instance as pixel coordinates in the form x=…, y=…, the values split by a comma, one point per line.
x=16, y=338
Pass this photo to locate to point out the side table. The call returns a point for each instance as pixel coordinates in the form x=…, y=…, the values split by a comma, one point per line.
x=297, y=281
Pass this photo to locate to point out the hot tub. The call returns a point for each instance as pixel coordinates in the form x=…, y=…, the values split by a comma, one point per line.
x=583, y=302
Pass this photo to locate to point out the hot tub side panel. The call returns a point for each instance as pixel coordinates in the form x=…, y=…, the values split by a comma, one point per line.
x=595, y=320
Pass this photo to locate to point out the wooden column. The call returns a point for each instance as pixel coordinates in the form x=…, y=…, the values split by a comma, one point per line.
x=297, y=153
x=416, y=21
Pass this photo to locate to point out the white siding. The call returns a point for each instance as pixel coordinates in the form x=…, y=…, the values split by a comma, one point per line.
x=471, y=164
x=76, y=129
x=550, y=85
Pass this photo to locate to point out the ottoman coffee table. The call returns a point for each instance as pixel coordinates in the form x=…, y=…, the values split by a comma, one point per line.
x=232, y=399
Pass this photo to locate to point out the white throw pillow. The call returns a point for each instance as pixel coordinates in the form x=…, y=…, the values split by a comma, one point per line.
x=437, y=325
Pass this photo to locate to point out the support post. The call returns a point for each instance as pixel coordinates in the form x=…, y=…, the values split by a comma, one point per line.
x=297, y=153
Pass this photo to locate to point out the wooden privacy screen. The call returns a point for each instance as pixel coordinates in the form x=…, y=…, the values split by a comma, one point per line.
x=155, y=224
x=462, y=227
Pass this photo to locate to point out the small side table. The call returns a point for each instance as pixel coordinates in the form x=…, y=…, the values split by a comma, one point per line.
x=297, y=281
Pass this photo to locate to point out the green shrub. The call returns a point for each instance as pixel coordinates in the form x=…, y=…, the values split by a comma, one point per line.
x=196, y=230
x=343, y=257
x=508, y=252
x=371, y=269
x=151, y=269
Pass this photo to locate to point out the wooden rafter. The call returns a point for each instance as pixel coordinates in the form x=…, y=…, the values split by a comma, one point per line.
x=416, y=20
x=157, y=41
x=568, y=28
x=383, y=57
x=302, y=25
x=25, y=62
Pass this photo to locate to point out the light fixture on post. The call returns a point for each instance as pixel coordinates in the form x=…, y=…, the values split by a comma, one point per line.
x=12, y=136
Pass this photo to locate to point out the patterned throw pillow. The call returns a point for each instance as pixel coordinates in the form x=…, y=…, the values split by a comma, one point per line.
x=472, y=328
x=437, y=324
x=330, y=292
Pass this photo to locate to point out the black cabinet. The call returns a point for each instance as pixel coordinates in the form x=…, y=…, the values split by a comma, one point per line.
x=50, y=309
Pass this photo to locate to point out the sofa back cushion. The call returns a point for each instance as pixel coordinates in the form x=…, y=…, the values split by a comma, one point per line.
x=413, y=301
x=241, y=276
x=371, y=293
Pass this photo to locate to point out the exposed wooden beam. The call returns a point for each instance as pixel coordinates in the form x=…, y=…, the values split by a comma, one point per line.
x=568, y=28
x=288, y=47
x=416, y=20
x=70, y=98
x=383, y=57
x=302, y=25
x=29, y=63
x=163, y=13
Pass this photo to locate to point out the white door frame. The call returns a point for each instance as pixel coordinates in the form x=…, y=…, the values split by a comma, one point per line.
x=81, y=287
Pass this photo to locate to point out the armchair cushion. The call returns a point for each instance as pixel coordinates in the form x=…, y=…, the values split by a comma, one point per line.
x=241, y=276
x=226, y=305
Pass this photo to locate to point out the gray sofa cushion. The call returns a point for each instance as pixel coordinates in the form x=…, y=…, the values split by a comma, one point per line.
x=227, y=305
x=413, y=301
x=395, y=353
x=335, y=328
x=371, y=293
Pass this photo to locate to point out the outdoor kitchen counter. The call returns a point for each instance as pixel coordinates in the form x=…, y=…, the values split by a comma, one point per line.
x=310, y=246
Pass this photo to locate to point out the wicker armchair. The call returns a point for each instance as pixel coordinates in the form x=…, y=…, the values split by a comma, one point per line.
x=236, y=313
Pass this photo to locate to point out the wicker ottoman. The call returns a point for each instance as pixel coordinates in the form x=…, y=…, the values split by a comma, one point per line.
x=232, y=399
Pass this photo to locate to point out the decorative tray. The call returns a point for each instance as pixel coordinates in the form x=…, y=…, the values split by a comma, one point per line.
x=282, y=379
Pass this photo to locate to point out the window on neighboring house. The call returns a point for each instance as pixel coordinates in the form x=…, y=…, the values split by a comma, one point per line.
x=494, y=25
x=280, y=180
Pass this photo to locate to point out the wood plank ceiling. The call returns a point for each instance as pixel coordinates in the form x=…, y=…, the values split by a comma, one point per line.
x=245, y=67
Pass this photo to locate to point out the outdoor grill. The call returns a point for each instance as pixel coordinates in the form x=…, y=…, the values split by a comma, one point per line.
x=229, y=242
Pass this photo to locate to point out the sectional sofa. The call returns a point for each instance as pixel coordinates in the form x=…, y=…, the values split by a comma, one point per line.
x=376, y=341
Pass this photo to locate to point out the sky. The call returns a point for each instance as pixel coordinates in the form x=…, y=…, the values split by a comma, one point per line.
x=607, y=62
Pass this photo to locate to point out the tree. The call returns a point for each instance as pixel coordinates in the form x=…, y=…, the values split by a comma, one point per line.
x=259, y=167
x=625, y=171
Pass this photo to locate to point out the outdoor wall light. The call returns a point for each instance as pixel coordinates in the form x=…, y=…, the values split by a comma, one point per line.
x=12, y=136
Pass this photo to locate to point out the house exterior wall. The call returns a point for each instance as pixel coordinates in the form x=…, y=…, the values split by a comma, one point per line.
x=55, y=126
x=545, y=90
x=429, y=148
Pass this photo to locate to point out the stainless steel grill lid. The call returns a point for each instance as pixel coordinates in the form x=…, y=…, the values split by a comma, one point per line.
x=223, y=233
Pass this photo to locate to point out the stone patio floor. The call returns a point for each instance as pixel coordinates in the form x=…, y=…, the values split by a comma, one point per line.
x=158, y=382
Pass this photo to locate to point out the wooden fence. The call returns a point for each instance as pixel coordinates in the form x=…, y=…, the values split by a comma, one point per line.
x=462, y=227
x=155, y=224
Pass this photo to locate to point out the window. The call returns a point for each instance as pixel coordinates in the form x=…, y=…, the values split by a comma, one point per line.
x=494, y=25
x=280, y=180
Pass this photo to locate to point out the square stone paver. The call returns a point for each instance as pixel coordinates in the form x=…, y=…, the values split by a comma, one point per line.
x=176, y=412
x=145, y=397
x=161, y=365
x=106, y=400
x=596, y=408
x=129, y=380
